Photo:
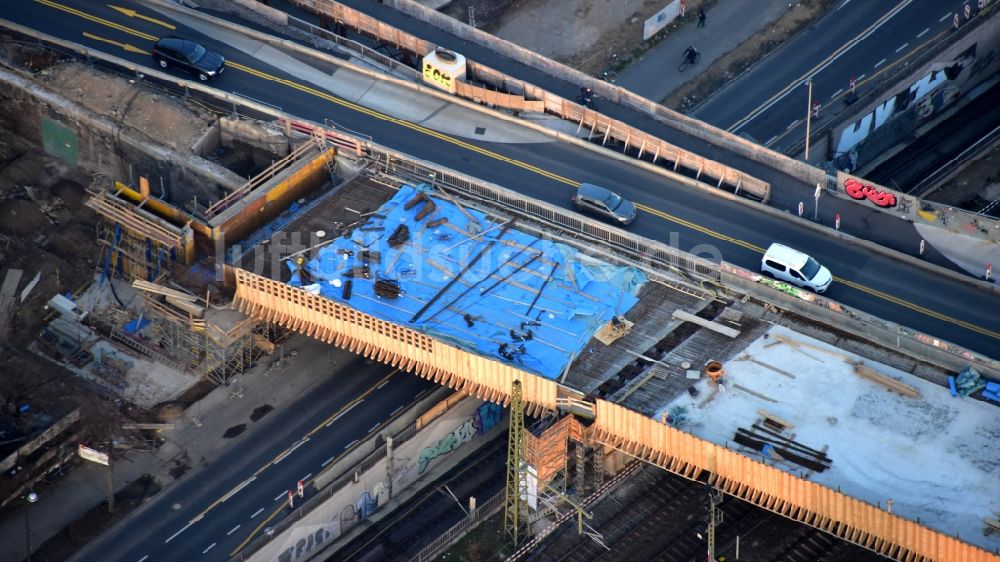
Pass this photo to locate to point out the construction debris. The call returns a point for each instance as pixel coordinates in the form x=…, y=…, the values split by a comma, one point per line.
x=618, y=327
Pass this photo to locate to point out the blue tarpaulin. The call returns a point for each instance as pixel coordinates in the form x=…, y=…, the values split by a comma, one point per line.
x=528, y=301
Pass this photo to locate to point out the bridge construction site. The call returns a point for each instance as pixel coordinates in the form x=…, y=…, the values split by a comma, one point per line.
x=628, y=399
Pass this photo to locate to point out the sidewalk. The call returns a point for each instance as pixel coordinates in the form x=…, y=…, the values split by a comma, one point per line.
x=728, y=24
x=193, y=442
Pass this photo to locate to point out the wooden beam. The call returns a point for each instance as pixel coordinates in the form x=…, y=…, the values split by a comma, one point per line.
x=714, y=326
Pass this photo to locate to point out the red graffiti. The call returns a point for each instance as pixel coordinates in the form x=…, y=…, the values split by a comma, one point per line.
x=857, y=190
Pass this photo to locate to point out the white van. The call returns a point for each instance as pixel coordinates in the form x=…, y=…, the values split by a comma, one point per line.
x=782, y=262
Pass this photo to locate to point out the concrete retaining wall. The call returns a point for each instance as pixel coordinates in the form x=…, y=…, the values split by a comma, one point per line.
x=101, y=145
x=436, y=448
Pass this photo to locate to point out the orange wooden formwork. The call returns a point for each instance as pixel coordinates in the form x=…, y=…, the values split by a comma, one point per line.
x=776, y=490
x=390, y=343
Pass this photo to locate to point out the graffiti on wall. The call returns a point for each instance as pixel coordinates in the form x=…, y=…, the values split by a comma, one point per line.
x=484, y=419
x=858, y=190
x=371, y=498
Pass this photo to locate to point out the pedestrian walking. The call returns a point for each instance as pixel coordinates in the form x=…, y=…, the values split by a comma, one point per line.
x=701, y=17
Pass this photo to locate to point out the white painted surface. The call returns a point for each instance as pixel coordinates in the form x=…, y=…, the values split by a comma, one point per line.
x=937, y=457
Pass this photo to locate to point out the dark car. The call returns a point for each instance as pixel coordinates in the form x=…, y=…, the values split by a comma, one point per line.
x=189, y=56
x=604, y=203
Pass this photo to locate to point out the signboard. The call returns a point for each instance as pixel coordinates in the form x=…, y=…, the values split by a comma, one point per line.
x=92, y=455
x=661, y=19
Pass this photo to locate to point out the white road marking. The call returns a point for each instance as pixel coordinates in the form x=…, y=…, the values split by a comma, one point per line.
x=256, y=513
x=944, y=17
x=860, y=78
x=291, y=450
x=903, y=46
x=279, y=496
x=178, y=532
x=341, y=414
x=879, y=63
x=837, y=93
x=770, y=140
x=238, y=488
x=374, y=427
x=792, y=124
x=210, y=547
x=143, y=558
x=233, y=530
x=328, y=461
x=381, y=384
x=922, y=33
x=306, y=477
x=843, y=49
x=846, y=2
x=351, y=444
x=393, y=413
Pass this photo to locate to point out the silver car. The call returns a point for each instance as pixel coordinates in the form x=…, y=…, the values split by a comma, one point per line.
x=603, y=203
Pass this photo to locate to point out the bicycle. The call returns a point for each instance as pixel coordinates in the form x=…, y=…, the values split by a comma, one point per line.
x=688, y=62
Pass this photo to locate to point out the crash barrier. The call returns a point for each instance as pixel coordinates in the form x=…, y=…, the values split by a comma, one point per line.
x=861, y=324
x=530, y=98
x=323, y=495
x=665, y=263
x=776, y=490
x=953, y=219
x=641, y=436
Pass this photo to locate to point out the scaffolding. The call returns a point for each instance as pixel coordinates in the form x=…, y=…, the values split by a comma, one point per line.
x=134, y=243
x=211, y=342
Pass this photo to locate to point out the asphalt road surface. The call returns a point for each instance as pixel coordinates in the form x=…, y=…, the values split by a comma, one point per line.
x=672, y=213
x=859, y=39
x=168, y=528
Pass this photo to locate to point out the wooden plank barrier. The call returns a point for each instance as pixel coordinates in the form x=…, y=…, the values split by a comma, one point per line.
x=387, y=342
x=776, y=490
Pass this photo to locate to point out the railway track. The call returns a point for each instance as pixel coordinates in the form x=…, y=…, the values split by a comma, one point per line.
x=432, y=511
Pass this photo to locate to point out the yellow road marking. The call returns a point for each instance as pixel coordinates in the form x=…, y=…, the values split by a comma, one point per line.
x=136, y=14
x=96, y=19
x=125, y=46
x=920, y=309
x=526, y=166
x=311, y=432
x=331, y=463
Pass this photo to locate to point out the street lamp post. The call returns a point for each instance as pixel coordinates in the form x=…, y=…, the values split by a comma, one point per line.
x=809, y=111
x=32, y=497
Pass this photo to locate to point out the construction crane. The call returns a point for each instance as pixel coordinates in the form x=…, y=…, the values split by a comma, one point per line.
x=516, y=478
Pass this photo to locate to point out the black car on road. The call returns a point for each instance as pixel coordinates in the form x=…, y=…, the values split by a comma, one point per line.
x=189, y=56
x=604, y=203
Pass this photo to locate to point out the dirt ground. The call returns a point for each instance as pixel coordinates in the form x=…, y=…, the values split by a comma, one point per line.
x=159, y=117
x=976, y=187
x=743, y=57
x=594, y=36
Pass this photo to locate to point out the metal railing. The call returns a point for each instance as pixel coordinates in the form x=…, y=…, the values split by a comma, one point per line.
x=460, y=529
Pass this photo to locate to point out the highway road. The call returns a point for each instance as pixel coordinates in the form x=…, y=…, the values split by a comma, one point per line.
x=551, y=171
x=859, y=39
x=195, y=520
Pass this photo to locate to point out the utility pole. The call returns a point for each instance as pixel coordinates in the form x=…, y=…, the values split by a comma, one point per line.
x=516, y=484
x=714, y=518
x=111, y=479
x=809, y=111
